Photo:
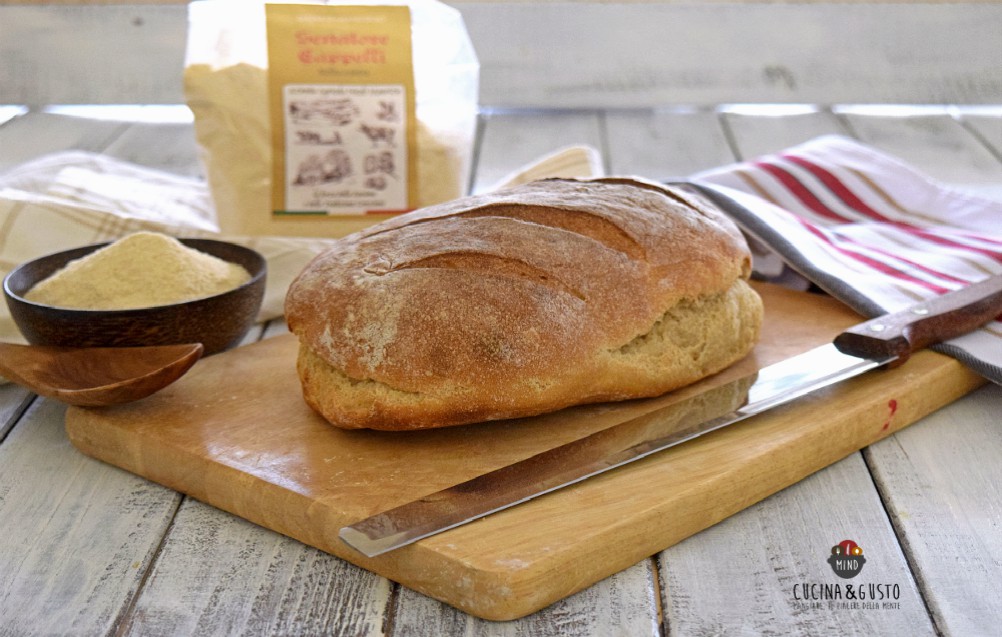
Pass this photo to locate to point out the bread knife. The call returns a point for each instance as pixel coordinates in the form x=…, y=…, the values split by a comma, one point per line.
x=887, y=340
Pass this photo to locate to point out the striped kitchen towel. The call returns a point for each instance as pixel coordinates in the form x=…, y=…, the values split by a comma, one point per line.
x=869, y=230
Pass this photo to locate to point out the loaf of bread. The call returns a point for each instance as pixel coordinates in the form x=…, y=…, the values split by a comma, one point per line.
x=520, y=302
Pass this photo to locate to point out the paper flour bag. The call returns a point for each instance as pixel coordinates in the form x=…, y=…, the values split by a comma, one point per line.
x=320, y=119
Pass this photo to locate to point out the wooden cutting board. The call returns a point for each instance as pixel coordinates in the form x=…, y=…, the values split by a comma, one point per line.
x=235, y=433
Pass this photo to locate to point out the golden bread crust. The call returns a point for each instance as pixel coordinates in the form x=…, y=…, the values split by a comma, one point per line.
x=520, y=302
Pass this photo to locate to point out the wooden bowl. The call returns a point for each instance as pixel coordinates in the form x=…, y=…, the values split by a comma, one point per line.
x=217, y=322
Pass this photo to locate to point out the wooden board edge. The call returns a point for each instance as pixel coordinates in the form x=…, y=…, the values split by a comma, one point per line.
x=504, y=589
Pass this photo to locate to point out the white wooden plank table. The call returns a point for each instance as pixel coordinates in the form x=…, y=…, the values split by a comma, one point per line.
x=88, y=549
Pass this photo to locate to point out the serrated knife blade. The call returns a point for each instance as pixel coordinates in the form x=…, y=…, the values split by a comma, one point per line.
x=886, y=340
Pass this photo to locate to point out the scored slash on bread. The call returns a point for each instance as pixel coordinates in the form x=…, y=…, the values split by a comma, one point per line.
x=520, y=302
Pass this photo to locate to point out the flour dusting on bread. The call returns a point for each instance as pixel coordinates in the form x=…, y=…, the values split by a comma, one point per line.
x=551, y=294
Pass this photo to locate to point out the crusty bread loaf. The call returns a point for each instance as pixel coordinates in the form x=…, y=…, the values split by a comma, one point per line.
x=520, y=302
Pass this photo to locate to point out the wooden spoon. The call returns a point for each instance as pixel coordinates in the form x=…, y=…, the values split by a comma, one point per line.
x=96, y=376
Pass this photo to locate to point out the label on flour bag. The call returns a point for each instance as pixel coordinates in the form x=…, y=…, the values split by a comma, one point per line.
x=341, y=96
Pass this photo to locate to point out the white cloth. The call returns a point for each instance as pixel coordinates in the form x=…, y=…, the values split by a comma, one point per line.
x=69, y=199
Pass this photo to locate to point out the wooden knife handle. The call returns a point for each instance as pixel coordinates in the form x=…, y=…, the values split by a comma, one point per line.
x=934, y=321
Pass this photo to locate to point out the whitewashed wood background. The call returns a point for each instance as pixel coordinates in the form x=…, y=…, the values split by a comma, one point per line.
x=573, y=54
x=86, y=549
